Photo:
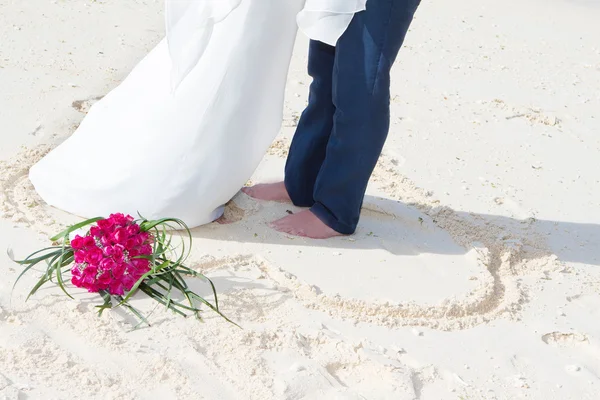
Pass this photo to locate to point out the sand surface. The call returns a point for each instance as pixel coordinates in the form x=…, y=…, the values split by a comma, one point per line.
x=474, y=274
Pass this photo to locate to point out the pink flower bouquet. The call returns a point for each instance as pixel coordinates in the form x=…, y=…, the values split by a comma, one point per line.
x=118, y=257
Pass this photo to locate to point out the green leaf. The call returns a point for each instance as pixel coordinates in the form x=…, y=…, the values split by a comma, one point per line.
x=138, y=314
x=172, y=303
x=107, y=302
x=50, y=268
x=168, y=295
x=214, y=309
x=180, y=279
x=148, y=225
x=59, y=278
x=191, y=272
x=31, y=265
x=158, y=297
x=212, y=285
x=137, y=284
x=75, y=227
x=38, y=285
x=30, y=260
x=181, y=287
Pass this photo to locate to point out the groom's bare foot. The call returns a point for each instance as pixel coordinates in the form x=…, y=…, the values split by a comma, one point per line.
x=305, y=224
x=268, y=192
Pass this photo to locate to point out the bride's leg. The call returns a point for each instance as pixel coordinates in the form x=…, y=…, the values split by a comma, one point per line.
x=307, y=151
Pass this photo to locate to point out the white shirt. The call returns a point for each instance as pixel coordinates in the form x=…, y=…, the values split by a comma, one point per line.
x=189, y=25
x=327, y=20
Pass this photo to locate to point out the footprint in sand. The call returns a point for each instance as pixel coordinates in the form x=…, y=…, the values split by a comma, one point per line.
x=559, y=339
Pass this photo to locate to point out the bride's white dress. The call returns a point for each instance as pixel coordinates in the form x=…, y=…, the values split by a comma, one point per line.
x=189, y=125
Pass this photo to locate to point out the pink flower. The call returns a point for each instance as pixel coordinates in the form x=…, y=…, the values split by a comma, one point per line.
x=117, y=252
x=107, y=257
x=79, y=256
x=133, y=229
x=137, y=240
x=95, y=231
x=118, y=270
x=129, y=281
x=141, y=264
x=77, y=242
x=89, y=241
x=120, y=236
x=107, y=264
x=105, y=278
x=120, y=219
x=106, y=224
x=131, y=244
x=134, y=252
x=94, y=255
x=107, y=250
x=93, y=288
x=76, y=276
x=90, y=271
x=116, y=288
x=105, y=240
x=76, y=280
x=146, y=250
x=88, y=280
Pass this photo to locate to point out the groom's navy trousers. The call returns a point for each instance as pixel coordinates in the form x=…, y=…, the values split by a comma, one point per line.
x=341, y=133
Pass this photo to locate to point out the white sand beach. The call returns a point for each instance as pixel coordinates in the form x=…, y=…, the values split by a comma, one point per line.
x=475, y=271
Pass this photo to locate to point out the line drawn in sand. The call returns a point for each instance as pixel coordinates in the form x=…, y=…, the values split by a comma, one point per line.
x=503, y=254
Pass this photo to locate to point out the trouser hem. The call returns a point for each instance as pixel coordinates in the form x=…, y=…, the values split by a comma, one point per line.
x=329, y=219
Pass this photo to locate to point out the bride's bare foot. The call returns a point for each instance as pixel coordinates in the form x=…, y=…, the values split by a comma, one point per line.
x=305, y=224
x=223, y=220
x=268, y=192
